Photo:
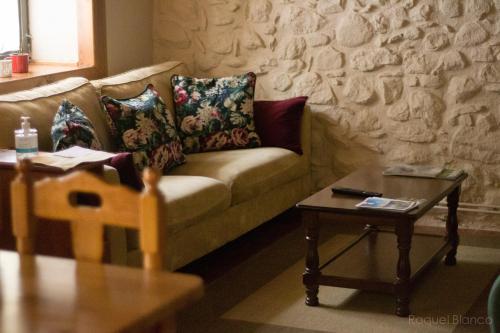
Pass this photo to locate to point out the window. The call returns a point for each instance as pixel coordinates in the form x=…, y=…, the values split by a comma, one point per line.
x=65, y=38
x=45, y=29
x=14, y=36
x=54, y=31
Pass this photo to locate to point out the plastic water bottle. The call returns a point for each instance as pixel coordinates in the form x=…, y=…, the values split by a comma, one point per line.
x=26, y=140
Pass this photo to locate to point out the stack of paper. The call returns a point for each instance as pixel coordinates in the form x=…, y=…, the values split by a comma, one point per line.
x=424, y=171
x=71, y=157
x=413, y=170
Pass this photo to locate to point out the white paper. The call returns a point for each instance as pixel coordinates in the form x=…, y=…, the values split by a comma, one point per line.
x=77, y=151
x=71, y=157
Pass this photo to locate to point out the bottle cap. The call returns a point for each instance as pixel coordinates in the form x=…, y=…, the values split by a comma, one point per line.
x=25, y=124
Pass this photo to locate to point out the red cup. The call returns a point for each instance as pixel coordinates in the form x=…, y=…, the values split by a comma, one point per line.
x=20, y=62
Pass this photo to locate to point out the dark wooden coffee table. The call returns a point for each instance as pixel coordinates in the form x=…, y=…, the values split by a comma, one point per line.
x=371, y=262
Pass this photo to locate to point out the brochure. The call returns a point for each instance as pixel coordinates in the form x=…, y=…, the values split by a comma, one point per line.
x=423, y=171
x=388, y=204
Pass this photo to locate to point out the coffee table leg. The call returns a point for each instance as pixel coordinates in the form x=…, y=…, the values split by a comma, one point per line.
x=452, y=226
x=311, y=274
x=404, y=232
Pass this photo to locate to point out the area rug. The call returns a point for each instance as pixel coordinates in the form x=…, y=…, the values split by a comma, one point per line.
x=439, y=302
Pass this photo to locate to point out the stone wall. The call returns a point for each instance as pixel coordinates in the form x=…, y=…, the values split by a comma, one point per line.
x=414, y=81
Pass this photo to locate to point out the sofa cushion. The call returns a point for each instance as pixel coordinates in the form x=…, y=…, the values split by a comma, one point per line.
x=41, y=104
x=141, y=125
x=215, y=113
x=191, y=198
x=132, y=83
x=72, y=127
x=247, y=172
x=278, y=122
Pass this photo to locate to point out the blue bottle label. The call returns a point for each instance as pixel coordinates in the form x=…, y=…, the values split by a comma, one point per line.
x=26, y=150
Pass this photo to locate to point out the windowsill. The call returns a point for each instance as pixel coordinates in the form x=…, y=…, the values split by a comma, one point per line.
x=36, y=70
x=43, y=73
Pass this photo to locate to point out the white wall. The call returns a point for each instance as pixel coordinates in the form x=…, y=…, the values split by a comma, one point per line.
x=129, y=34
x=54, y=22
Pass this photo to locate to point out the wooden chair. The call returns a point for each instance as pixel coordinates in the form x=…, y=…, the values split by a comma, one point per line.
x=55, y=199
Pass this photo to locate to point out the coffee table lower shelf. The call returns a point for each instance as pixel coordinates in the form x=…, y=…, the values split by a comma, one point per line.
x=370, y=262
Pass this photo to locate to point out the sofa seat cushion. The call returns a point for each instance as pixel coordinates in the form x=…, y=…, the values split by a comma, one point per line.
x=191, y=198
x=247, y=172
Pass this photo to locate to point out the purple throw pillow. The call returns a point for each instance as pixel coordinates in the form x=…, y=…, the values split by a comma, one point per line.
x=124, y=164
x=278, y=122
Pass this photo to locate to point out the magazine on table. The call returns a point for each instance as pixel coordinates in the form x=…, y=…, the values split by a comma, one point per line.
x=387, y=204
x=423, y=171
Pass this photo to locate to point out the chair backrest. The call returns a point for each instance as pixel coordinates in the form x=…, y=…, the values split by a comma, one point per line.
x=63, y=198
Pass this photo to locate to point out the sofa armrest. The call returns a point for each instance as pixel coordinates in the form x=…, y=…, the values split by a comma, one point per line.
x=305, y=134
x=116, y=243
x=110, y=175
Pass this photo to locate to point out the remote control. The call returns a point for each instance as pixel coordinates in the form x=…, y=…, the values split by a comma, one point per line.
x=356, y=192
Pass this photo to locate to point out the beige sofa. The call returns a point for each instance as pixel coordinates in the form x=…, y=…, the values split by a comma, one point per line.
x=212, y=199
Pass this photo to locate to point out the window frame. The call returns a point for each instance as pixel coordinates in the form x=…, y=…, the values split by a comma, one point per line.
x=24, y=27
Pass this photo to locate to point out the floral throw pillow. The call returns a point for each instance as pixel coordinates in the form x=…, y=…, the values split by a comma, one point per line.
x=71, y=127
x=215, y=113
x=143, y=126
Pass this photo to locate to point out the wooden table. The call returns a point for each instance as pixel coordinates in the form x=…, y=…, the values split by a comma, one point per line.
x=372, y=262
x=54, y=237
x=48, y=294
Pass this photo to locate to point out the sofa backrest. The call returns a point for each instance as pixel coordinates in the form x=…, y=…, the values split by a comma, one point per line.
x=42, y=103
x=132, y=83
